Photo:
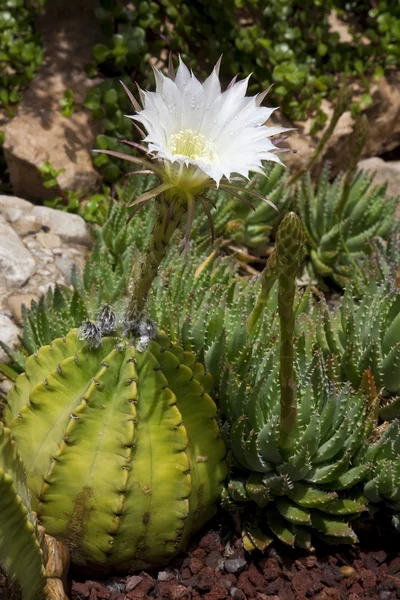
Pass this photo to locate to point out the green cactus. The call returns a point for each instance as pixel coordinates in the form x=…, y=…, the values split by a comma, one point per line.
x=121, y=447
x=335, y=242
x=366, y=335
x=20, y=553
x=383, y=480
x=294, y=433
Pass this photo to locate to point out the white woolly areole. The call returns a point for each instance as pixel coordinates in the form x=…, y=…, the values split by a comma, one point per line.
x=193, y=123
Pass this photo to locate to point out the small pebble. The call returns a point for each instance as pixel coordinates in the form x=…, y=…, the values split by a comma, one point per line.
x=233, y=565
x=165, y=576
x=132, y=582
x=347, y=571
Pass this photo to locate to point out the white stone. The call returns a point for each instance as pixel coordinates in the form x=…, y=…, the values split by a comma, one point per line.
x=8, y=335
x=17, y=264
x=48, y=240
x=65, y=266
x=70, y=228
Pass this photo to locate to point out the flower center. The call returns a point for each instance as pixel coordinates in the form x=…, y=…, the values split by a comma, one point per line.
x=193, y=145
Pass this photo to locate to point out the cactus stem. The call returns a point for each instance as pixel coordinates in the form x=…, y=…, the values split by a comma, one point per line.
x=268, y=278
x=289, y=253
x=143, y=274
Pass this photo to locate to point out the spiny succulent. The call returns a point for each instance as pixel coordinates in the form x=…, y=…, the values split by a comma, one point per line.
x=21, y=556
x=383, y=480
x=121, y=447
x=366, y=335
x=250, y=224
x=383, y=259
x=294, y=433
x=104, y=280
x=337, y=233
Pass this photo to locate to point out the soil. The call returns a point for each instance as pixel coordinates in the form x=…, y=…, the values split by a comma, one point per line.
x=217, y=568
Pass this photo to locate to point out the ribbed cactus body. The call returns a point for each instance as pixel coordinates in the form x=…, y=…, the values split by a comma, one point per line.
x=121, y=447
x=20, y=553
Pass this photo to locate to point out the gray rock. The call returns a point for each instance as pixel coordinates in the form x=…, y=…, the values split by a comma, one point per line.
x=234, y=565
x=69, y=227
x=65, y=266
x=8, y=335
x=17, y=264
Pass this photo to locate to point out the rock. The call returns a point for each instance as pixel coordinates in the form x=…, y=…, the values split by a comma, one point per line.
x=8, y=335
x=15, y=303
x=39, y=132
x=49, y=240
x=16, y=262
x=165, y=576
x=384, y=129
x=133, y=582
x=234, y=565
x=69, y=227
x=385, y=171
x=347, y=571
x=65, y=266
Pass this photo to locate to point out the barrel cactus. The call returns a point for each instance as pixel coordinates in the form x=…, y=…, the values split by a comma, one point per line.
x=21, y=556
x=122, y=451
x=295, y=434
x=366, y=335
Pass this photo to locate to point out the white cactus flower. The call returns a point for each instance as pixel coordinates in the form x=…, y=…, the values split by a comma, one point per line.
x=199, y=137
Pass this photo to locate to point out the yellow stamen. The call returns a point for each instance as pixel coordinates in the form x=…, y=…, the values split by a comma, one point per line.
x=193, y=145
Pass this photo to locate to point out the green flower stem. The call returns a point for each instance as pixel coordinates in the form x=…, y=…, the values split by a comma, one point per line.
x=342, y=105
x=268, y=278
x=143, y=274
x=289, y=253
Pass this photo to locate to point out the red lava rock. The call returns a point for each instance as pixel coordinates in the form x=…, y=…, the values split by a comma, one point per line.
x=186, y=573
x=380, y=556
x=331, y=575
x=256, y=578
x=195, y=565
x=206, y=579
x=132, y=582
x=245, y=585
x=328, y=594
x=143, y=588
x=178, y=592
x=199, y=553
x=356, y=589
x=80, y=590
x=368, y=579
x=217, y=592
x=98, y=591
x=210, y=542
x=275, y=587
x=237, y=594
x=304, y=582
x=214, y=560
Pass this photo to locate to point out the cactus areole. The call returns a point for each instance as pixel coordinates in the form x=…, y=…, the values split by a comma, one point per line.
x=123, y=454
